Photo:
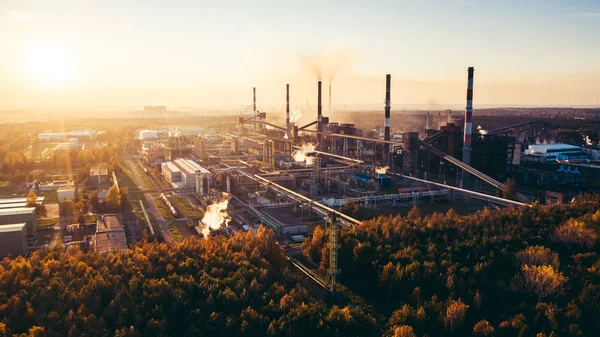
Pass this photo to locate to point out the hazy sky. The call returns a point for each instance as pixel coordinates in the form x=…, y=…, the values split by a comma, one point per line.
x=127, y=54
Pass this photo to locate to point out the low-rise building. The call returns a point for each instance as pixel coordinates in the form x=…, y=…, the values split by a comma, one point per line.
x=171, y=172
x=13, y=239
x=66, y=192
x=110, y=235
x=553, y=152
x=19, y=215
x=99, y=175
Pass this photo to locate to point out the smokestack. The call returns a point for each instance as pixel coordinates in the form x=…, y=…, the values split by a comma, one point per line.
x=388, y=107
x=439, y=120
x=427, y=122
x=254, y=108
x=449, y=116
x=468, y=118
x=319, y=117
x=287, y=108
x=468, y=126
x=329, y=100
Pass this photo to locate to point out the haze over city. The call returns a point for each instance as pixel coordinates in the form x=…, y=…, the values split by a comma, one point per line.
x=105, y=55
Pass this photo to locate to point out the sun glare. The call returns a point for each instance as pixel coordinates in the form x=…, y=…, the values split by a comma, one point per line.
x=49, y=63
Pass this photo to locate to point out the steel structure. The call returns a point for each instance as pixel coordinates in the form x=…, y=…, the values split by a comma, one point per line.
x=388, y=107
x=375, y=198
x=334, y=245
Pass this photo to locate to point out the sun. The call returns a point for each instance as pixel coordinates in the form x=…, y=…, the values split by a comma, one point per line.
x=49, y=63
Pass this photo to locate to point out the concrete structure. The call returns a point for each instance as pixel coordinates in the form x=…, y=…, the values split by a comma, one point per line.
x=171, y=172
x=13, y=239
x=148, y=134
x=19, y=215
x=99, y=175
x=110, y=235
x=554, y=152
x=18, y=201
x=190, y=170
x=66, y=192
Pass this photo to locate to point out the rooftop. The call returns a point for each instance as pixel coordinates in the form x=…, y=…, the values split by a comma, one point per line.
x=553, y=146
x=98, y=170
x=17, y=211
x=110, y=241
x=189, y=166
x=66, y=188
x=13, y=205
x=12, y=228
x=40, y=199
x=108, y=223
x=172, y=167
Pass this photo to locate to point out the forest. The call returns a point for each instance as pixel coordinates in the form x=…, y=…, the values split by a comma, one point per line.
x=502, y=272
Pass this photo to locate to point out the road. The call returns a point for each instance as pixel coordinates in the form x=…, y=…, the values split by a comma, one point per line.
x=150, y=203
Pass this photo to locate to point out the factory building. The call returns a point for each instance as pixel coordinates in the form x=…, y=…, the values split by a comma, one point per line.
x=13, y=239
x=99, y=175
x=19, y=215
x=171, y=172
x=554, y=152
x=18, y=202
x=110, y=235
x=186, y=173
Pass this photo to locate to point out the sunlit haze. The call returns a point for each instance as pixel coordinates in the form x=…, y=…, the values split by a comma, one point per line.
x=124, y=55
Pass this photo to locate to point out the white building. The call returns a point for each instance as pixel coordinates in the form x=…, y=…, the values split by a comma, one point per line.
x=554, y=152
x=171, y=172
x=190, y=173
x=148, y=134
x=66, y=192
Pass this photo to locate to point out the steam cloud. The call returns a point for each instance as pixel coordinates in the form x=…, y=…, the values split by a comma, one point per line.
x=216, y=216
x=330, y=62
x=296, y=115
x=300, y=155
x=382, y=170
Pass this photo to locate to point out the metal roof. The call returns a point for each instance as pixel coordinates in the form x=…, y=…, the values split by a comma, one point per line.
x=17, y=227
x=16, y=211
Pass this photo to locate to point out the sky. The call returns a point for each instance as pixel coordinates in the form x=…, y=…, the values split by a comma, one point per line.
x=204, y=54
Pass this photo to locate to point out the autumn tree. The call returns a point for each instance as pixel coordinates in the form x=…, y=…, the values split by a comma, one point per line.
x=537, y=256
x=456, y=311
x=510, y=189
x=575, y=233
x=66, y=208
x=12, y=159
x=404, y=331
x=542, y=281
x=113, y=199
x=483, y=328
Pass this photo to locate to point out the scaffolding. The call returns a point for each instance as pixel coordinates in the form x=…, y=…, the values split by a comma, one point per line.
x=334, y=245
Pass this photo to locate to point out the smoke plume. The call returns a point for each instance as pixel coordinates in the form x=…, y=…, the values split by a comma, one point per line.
x=215, y=216
x=382, y=170
x=300, y=154
x=331, y=62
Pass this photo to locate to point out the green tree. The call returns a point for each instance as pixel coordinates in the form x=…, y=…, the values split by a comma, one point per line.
x=66, y=208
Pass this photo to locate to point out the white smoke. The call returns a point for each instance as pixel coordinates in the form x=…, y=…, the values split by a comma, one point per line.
x=382, y=170
x=300, y=155
x=296, y=115
x=481, y=130
x=286, y=136
x=215, y=217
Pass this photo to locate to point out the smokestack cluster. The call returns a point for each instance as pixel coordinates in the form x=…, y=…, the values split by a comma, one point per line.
x=468, y=118
x=287, y=108
x=254, y=109
x=388, y=107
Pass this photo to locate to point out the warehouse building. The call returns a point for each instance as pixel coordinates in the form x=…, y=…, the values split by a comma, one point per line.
x=554, y=152
x=186, y=173
x=13, y=239
x=66, y=192
x=19, y=215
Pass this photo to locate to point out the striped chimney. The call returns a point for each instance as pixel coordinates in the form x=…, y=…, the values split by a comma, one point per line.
x=254, y=108
x=468, y=118
x=287, y=108
x=319, y=117
x=388, y=107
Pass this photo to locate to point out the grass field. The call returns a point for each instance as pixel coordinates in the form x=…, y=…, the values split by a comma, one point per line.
x=175, y=232
x=187, y=210
x=43, y=223
x=163, y=209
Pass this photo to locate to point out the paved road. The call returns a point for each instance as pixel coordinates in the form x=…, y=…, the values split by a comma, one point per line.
x=150, y=203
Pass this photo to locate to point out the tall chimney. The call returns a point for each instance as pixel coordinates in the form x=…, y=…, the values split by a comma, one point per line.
x=319, y=117
x=468, y=125
x=329, y=100
x=468, y=118
x=427, y=122
x=439, y=120
x=287, y=108
x=388, y=107
x=449, y=116
x=254, y=109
